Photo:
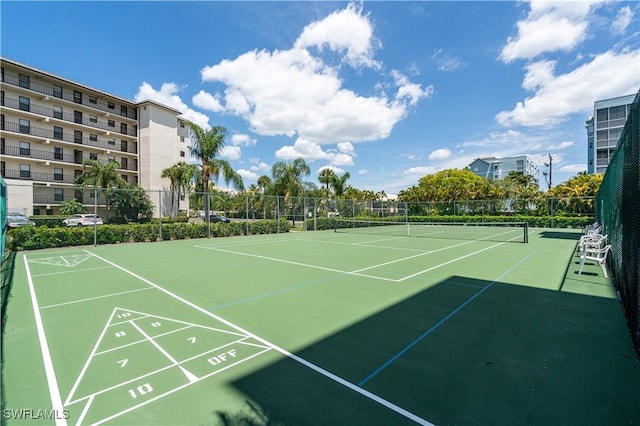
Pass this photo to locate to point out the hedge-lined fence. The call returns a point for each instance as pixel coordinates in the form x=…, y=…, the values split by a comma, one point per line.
x=40, y=237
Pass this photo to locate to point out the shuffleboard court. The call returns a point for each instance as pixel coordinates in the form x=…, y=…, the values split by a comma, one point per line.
x=315, y=328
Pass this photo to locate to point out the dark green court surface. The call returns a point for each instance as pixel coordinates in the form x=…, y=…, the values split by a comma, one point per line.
x=318, y=328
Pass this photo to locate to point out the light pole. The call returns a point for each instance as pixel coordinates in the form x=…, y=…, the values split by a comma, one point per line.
x=547, y=174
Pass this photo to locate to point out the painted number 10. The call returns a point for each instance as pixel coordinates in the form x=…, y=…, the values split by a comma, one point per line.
x=140, y=390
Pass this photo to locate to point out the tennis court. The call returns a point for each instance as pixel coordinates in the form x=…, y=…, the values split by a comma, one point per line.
x=318, y=328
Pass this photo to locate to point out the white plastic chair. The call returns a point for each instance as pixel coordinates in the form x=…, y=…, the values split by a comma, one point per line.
x=596, y=255
x=594, y=241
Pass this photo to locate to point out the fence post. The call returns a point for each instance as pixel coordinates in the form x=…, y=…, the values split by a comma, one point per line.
x=95, y=212
x=160, y=211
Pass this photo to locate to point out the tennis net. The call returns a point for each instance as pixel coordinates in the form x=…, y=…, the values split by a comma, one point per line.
x=516, y=232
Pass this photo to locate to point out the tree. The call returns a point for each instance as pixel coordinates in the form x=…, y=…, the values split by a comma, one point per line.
x=287, y=177
x=287, y=180
x=71, y=207
x=577, y=195
x=131, y=202
x=103, y=176
x=326, y=177
x=339, y=184
x=180, y=175
x=206, y=146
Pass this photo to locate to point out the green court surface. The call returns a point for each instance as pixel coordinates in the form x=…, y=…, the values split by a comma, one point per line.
x=317, y=328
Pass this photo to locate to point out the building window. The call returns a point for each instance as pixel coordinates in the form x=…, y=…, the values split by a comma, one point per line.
x=602, y=115
x=123, y=163
x=617, y=112
x=57, y=153
x=93, y=100
x=181, y=138
x=181, y=153
x=111, y=141
x=57, y=173
x=57, y=112
x=58, y=194
x=25, y=171
x=520, y=165
x=23, y=81
x=111, y=159
x=25, y=148
x=77, y=136
x=57, y=132
x=2, y=169
x=93, y=137
x=77, y=97
x=123, y=128
x=93, y=156
x=57, y=91
x=77, y=117
x=125, y=177
x=25, y=126
x=111, y=105
x=111, y=123
x=25, y=104
x=1, y=97
x=123, y=145
x=123, y=111
x=182, y=124
x=93, y=119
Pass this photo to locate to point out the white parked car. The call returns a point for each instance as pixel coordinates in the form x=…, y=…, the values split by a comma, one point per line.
x=82, y=220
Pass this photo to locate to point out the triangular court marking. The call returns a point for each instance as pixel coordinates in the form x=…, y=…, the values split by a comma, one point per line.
x=68, y=261
x=119, y=316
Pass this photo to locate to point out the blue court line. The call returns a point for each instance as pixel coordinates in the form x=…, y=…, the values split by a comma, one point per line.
x=438, y=324
x=273, y=293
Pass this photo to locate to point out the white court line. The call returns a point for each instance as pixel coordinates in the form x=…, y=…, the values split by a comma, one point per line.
x=290, y=262
x=284, y=352
x=94, y=298
x=54, y=390
x=72, y=271
x=141, y=340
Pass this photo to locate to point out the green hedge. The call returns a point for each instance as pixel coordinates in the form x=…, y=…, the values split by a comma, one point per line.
x=33, y=237
x=533, y=221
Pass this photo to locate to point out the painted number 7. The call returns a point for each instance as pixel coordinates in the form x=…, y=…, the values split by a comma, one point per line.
x=123, y=362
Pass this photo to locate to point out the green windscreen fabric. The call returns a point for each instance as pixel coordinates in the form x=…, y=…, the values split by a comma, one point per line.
x=618, y=209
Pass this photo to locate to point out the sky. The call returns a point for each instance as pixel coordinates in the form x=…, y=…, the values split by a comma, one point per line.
x=386, y=91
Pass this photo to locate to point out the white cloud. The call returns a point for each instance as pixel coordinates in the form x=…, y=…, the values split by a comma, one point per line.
x=258, y=166
x=560, y=146
x=239, y=139
x=207, y=101
x=310, y=151
x=168, y=95
x=346, y=31
x=296, y=94
x=247, y=174
x=549, y=27
x=573, y=168
x=421, y=170
x=622, y=20
x=440, y=154
x=446, y=62
x=363, y=171
x=558, y=96
x=231, y=152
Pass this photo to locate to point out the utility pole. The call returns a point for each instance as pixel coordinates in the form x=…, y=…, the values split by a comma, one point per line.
x=547, y=174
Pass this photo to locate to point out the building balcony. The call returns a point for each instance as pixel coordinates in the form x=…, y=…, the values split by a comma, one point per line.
x=71, y=118
x=49, y=92
x=49, y=156
x=53, y=135
x=38, y=176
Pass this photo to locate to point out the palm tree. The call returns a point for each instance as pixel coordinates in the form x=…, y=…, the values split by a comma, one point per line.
x=180, y=175
x=287, y=179
x=339, y=184
x=103, y=176
x=206, y=146
x=326, y=178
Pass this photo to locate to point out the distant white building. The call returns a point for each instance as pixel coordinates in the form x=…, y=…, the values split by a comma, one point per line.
x=493, y=168
x=604, y=129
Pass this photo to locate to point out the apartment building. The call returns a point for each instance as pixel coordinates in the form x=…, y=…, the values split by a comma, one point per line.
x=51, y=125
x=604, y=129
x=493, y=168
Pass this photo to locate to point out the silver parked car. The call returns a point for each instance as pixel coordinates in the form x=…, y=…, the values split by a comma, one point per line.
x=16, y=220
x=82, y=220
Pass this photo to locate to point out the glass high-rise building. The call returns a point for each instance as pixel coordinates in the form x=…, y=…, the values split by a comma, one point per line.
x=604, y=129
